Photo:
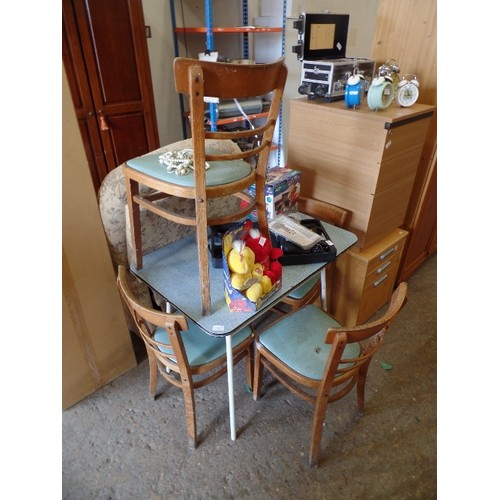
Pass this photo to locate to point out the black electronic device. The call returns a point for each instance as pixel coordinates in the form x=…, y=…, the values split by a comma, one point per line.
x=322, y=42
x=323, y=251
x=321, y=36
x=215, y=243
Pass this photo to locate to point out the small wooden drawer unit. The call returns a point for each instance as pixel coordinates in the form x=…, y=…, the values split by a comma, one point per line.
x=361, y=160
x=363, y=281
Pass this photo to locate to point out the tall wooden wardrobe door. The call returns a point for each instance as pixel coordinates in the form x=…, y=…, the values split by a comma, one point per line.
x=106, y=59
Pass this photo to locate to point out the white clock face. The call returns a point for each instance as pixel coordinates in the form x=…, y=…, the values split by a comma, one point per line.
x=407, y=95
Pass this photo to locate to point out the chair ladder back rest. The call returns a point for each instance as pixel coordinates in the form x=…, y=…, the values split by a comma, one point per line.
x=398, y=300
x=197, y=110
x=222, y=80
x=206, y=79
x=239, y=134
x=339, y=341
x=363, y=332
x=148, y=320
x=326, y=212
x=345, y=371
x=323, y=211
x=373, y=332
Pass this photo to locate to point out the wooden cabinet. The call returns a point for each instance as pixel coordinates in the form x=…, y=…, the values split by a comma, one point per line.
x=361, y=160
x=363, y=281
x=418, y=55
x=422, y=241
x=107, y=64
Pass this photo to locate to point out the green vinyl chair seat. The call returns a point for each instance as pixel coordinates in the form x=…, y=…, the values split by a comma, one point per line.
x=200, y=348
x=301, y=291
x=219, y=172
x=299, y=341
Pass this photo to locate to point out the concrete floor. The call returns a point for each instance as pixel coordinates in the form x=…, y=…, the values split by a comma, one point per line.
x=118, y=444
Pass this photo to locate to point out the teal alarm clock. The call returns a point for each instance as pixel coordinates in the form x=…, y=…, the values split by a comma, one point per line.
x=380, y=93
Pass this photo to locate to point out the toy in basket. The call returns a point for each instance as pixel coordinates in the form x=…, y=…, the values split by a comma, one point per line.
x=252, y=272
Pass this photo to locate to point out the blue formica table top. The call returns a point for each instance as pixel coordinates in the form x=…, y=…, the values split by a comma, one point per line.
x=172, y=271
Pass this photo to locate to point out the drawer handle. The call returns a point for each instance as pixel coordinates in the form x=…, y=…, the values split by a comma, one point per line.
x=381, y=280
x=386, y=254
x=383, y=267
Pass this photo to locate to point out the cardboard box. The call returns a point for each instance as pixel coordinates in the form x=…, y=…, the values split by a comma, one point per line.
x=282, y=192
x=236, y=299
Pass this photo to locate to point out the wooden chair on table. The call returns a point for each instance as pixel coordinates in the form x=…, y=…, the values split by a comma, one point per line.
x=181, y=353
x=320, y=361
x=228, y=175
x=310, y=291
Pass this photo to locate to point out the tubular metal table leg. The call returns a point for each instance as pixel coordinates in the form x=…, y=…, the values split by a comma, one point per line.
x=323, y=289
x=229, y=355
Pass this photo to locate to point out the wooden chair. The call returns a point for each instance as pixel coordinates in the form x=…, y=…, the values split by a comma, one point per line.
x=228, y=175
x=310, y=292
x=181, y=353
x=320, y=361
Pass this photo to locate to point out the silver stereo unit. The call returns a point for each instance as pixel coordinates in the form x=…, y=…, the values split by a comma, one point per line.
x=327, y=78
x=228, y=107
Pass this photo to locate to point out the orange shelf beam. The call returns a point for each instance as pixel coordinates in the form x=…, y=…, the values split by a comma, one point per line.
x=239, y=118
x=240, y=29
x=233, y=119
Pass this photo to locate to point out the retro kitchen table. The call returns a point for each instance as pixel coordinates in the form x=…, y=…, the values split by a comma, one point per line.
x=171, y=273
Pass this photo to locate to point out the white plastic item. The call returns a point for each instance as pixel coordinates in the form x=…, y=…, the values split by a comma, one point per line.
x=293, y=231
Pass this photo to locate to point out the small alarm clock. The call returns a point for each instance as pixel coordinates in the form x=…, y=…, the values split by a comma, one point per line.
x=354, y=90
x=390, y=69
x=380, y=93
x=407, y=91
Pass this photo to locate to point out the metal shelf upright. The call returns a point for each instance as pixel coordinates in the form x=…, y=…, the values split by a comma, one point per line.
x=210, y=30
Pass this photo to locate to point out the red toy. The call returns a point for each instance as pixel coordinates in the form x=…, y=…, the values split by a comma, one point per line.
x=265, y=254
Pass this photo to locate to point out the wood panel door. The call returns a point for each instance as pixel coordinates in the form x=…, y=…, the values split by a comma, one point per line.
x=107, y=63
x=424, y=232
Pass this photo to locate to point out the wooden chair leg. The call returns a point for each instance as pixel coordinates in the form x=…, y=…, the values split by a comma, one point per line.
x=189, y=404
x=257, y=375
x=361, y=382
x=317, y=429
x=135, y=222
x=153, y=374
x=249, y=365
x=202, y=240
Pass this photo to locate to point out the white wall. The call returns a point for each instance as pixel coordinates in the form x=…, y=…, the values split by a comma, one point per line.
x=161, y=56
x=226, y=12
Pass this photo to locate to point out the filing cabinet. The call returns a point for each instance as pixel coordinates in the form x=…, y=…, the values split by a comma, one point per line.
x=361, y=160
x=363, y=280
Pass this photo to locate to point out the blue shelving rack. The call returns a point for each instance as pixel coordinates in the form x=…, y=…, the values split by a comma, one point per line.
x=208, y=29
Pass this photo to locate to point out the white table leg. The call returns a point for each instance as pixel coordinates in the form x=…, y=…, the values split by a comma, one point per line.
x=323, y=289
x=230, y=391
